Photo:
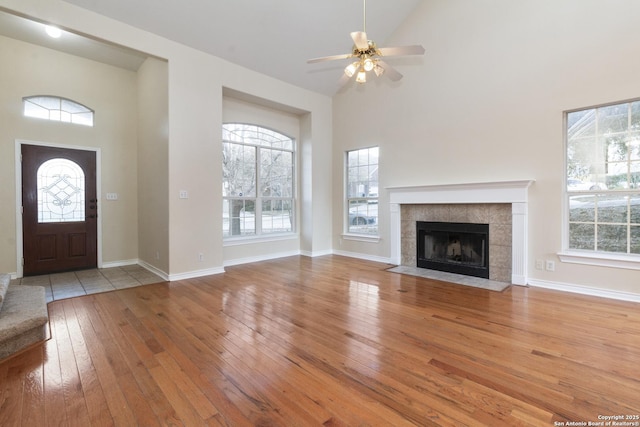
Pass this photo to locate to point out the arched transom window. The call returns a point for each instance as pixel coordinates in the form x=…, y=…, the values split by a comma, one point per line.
x=57, y=109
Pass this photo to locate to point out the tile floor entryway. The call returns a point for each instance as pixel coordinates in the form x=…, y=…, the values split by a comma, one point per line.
x=85, y=282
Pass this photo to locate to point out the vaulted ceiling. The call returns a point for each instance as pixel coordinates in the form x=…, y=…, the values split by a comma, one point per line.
x=273, y=37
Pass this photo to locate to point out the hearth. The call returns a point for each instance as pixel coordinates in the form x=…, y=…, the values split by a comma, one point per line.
x=453, y=247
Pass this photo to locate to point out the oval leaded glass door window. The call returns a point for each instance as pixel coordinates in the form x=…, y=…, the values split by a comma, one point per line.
x=61, y=192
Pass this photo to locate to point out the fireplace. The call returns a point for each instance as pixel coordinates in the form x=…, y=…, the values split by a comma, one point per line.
x=509, y=247
x=453, y=247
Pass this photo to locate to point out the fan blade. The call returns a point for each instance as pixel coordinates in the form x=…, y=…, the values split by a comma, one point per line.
x=360, y=40
x=401, y=50
x=329, y=58
x=389, y=71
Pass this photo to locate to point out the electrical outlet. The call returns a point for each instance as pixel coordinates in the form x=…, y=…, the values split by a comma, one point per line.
x=200, y=257
x=550, y=265
x=539, y=264
x=184, y=194
x=158, y=255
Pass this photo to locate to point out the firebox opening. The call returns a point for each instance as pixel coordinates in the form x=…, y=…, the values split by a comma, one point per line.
x=453, y=247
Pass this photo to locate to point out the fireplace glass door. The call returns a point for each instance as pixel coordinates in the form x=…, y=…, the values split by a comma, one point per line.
x=454, y=247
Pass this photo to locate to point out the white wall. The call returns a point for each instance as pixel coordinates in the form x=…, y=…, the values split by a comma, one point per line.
x=241, y=111
x=486, y=103
x=32, y=70
x=153, y=165
x=195, y=86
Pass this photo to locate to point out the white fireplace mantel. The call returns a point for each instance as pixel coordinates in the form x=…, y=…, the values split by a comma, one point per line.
x=514, y=192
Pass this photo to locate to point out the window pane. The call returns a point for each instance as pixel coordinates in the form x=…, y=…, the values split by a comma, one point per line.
x=61, y=191
x=352, y=158
x=83, y=119
x=34, y=110
x=634, y=205
x=582, y=208
x=277, y=216
x=57, y=109
x=612, y=238
x=238, y=217
x=363, y=216
x=617, y=149
x=276, y=173
x=239, y=170
x=612, y=209
x=581, y=124
x=635, y=115
x=635, y=240
x=582, y=236
x=586, y=164
x=613, y=119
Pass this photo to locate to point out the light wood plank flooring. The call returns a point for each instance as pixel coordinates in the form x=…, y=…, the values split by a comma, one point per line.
x=327, y=341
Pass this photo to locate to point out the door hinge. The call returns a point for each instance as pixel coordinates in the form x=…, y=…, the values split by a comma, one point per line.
x=22, y=210
x=22, y=261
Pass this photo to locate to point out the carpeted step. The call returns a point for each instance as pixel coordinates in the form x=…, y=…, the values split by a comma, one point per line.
x=23, y=319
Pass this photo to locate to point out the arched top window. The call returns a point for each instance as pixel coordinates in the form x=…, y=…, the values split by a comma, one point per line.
x=255, y=135
x=258, y=185
x=57, y=109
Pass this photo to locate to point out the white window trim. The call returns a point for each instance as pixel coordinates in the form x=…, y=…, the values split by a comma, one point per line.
x=369, y=238
x=360, y=237
x=259, y=237
x=600, y=259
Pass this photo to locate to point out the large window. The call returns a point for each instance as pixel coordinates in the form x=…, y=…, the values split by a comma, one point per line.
x=258, y=181
x=362, y=191
x=603, y=178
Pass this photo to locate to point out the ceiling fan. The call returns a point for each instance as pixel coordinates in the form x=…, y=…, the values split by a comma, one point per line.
x=369, y=57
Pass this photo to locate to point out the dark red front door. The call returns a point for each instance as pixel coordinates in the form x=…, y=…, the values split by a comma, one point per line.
x=60, y=209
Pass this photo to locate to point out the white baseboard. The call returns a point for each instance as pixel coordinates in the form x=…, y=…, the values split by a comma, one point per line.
x=248, y=260
x=120, y=263
x=163, y=275
x=585, y=290
x=366, y=257
x=316, y=253
x=196, y=273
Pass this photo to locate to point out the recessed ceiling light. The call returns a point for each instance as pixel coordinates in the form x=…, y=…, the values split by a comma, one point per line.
x=54, y=32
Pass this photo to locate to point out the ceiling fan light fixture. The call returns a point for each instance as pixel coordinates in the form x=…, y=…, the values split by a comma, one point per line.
x=368, y=64
x=368, y=57
x=351, y=69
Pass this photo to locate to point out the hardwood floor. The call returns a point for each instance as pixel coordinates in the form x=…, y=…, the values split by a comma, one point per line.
x=327, y=341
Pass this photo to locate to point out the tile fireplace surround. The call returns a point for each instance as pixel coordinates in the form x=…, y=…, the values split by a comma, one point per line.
x=463, y=202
